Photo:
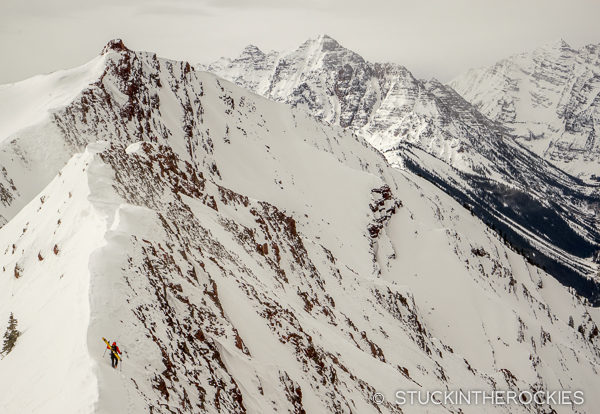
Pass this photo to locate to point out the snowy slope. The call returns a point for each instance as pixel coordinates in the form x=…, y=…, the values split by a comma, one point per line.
x=549, y=98
x=549, y=215
x=249, y=258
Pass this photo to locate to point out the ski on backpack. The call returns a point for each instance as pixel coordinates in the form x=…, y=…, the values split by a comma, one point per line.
x=111, y=350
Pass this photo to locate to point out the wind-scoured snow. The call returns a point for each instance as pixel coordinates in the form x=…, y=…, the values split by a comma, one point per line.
x=249, y=258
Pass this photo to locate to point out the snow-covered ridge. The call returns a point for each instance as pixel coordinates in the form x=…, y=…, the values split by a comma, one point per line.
x=251, y=259
x=32, y=148
x=30, y=101
x=45, y=282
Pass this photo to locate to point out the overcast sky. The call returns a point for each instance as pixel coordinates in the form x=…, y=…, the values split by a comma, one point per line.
x=432, y=38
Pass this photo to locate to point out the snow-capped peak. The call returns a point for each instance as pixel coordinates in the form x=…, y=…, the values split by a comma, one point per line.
x=325, y=42
x=559, y=44
x=548, y=98
x=252, y=50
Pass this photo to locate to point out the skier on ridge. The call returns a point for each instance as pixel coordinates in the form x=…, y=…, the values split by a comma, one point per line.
x=113, y=355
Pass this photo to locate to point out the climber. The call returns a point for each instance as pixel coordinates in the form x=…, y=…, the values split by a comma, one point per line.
x=114, y=357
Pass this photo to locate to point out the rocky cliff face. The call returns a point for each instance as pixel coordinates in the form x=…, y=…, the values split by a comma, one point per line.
x=248, y=258
x=431, y=129
x=549, y=99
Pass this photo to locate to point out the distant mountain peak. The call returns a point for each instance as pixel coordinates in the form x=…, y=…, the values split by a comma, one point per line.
x=252, y=50
x=548, y=99
x=560, y=44
x=326, y=39
x=324, y=42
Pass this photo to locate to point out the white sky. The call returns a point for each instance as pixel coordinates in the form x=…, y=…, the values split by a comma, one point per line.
x=432, y=38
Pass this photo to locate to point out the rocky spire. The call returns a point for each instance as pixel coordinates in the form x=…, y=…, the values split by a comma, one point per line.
x=116, y=45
